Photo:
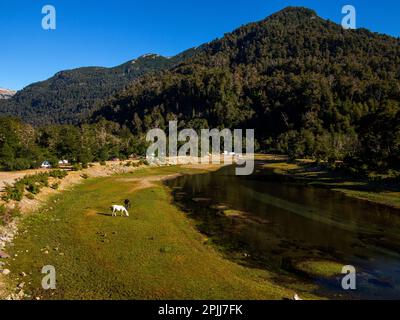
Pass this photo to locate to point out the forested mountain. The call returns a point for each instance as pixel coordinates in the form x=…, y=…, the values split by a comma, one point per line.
x=307, y=86
x=70, y=96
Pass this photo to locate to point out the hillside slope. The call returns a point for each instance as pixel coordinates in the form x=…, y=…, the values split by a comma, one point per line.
x=70, y=96
x=307, y=86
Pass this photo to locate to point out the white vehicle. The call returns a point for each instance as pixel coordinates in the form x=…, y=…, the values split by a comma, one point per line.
x=46, y=165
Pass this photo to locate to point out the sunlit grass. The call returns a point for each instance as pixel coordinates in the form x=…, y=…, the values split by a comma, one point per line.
x=157, y=253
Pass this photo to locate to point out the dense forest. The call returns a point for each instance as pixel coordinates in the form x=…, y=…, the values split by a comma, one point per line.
x=69, y=97
x=308, y=87
x=23, y=147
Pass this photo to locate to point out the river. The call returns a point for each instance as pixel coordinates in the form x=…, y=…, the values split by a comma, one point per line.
x=267, y=222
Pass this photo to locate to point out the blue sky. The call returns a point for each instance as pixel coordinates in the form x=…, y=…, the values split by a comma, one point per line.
x=108, y=33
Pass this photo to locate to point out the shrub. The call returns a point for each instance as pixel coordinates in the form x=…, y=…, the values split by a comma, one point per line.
x=103, y=163
x=32, y=184
x=30, y=196
x=33, y=188
x=77, y=167
x=13, y=192
x=144, y=162
x=84, y=176
x=55, y=186
x=58, y=174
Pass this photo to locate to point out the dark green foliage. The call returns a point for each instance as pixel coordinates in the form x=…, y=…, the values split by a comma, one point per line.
x=25, y=147
x=15, y=192
x=18, y=149
x=58, y=174
x=77, y=167
x=70, y=96
x=32, y=184
x=308, y=87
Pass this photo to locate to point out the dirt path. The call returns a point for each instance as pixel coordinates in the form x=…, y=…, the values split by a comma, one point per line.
x=10, y=177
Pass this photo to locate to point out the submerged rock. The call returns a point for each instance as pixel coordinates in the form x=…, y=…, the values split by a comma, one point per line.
x=201, y=199
x=234, y=213
x=314, y=268
x=219, y=207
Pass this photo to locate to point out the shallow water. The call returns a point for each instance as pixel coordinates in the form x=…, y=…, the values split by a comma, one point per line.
x=286, y=221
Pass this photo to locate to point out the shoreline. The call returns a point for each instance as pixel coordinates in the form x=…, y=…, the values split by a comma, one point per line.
x=154, y=221
x=308, y=173
x=29, y=207
x=277, y=164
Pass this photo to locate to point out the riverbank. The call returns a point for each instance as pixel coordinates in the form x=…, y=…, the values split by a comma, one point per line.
x=156, y=253
x=306, y=171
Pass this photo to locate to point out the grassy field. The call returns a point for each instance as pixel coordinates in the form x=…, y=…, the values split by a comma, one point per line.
x=156, y=253
x=307, y=171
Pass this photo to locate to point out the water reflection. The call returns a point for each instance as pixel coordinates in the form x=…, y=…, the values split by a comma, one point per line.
x=283, y=220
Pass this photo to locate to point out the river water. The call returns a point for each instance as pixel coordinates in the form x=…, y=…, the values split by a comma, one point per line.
x=274, y=221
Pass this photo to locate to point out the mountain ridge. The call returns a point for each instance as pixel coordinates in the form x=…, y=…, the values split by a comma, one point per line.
x=307, y=86
x=6, y=93
x=70, y=96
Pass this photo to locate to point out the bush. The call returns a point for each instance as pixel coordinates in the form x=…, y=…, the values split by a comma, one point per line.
x=55, y=186
x=103, y=163
x=30, y=196
x=33, y=188
x=84, y=176
x=58, y=174
x=144, y=162
x=32, y=184
x=77, y=167
x=15, y=192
